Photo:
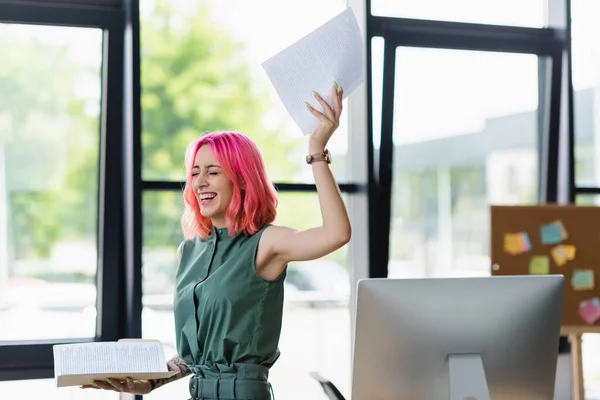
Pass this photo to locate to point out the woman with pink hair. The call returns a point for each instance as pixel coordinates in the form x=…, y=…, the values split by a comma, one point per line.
x=232, y=264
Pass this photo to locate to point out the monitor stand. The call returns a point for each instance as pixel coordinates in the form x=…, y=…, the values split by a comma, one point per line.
x=467, y=377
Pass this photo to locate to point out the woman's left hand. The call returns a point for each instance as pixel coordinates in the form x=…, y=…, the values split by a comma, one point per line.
x=329, y=119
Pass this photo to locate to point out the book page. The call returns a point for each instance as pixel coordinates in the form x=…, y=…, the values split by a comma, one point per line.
x=109, y=357
x=333, y=52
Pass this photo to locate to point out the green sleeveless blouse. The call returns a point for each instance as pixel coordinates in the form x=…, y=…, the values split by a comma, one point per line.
x=227, y=318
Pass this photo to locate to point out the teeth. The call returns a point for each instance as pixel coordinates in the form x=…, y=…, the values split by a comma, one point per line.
x=207, y=196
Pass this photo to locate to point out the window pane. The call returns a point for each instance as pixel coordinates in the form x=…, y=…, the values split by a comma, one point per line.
x=497, y=12
x=586, y=82
x=587, y=200
x=465, y=129
x=161, y=213
x=49, y=157
x=316, y=325
x=377, y=49
x=201, y=71
x=46, y=389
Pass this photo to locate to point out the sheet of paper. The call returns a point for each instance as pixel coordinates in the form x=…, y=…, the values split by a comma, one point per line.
x=332, y=52
x=553, y=233
x=539, y=265
x=108, y=357
x=516, y=243
x=590, y=310
x=583, y=279
x=563, y=253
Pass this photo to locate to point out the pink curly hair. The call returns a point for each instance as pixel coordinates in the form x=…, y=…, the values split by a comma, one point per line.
x=254, y=200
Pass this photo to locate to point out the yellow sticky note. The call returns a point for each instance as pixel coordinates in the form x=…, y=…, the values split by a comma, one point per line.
x=570, y=251
x=539, y=265
x=516, y=243
x=582, y=279
x=563, y=253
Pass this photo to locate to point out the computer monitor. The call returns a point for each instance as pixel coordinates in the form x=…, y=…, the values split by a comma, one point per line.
x=457, y=338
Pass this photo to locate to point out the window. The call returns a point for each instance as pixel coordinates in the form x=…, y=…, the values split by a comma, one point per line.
x=49, y=170
x=465, y=136
x=316, y=318
x=587, y=200
x=586, y=83
x=497, y=12
x=162, y=235
x=377, y=47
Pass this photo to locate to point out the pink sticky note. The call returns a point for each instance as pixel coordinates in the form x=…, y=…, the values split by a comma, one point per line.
x=589, y=312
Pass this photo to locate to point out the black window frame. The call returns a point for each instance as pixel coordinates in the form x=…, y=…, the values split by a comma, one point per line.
x=549, y=43
x=33, y=359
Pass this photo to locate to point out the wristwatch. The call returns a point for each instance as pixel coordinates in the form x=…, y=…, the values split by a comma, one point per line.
x=324, y=156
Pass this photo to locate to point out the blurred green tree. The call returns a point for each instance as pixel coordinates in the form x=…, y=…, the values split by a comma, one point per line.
x=50, y=143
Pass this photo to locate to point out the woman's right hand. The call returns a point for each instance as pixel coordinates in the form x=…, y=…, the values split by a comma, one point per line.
x=126, y=386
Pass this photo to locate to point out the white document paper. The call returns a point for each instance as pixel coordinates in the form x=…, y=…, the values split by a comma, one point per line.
x=81, y=363
x=332, y=52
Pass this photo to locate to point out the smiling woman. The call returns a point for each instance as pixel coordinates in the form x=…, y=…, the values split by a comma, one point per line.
x=229, y=186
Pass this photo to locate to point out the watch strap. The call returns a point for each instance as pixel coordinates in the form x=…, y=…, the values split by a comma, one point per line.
x=324, y=156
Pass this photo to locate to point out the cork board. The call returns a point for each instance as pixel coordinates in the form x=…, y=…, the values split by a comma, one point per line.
x=553, y=239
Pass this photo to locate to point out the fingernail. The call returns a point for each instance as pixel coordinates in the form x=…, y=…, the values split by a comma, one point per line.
x=316, y=94
x=335, y=85
x=94, y=383
x=307, y=104
x=108, y=380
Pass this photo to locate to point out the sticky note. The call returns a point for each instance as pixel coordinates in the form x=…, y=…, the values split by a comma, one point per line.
x=595, y=301
x=582, y=279
x=570, y=251
x=590, y=311
x=553, y=233
x=563, y=253
x=516, y=243
x=539, y=265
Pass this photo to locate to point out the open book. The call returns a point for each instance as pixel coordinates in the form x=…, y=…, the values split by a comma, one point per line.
x=81, y=363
